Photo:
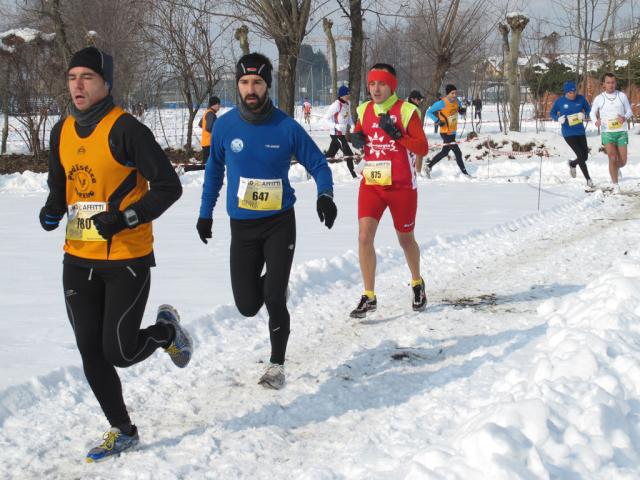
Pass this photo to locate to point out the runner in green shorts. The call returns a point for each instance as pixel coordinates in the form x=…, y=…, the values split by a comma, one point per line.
x=611, y=111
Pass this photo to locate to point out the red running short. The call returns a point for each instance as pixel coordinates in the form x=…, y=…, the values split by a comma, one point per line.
x=402, y=202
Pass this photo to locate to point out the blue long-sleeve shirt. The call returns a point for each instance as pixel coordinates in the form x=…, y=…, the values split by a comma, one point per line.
x=566, y=107
x=436, y=107
x=259, y=151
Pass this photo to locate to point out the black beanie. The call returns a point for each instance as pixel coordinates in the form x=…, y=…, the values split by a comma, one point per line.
x=254, y=64
x=450, y=88
x=96, y=60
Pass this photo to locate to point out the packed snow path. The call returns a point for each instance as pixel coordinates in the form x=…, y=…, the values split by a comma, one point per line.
x=498, y=378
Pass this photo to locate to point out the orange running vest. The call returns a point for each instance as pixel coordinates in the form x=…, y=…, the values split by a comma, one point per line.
x=95, y=176
x=205, y=141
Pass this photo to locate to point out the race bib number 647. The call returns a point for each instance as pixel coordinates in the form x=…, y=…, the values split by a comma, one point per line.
x=260, y=194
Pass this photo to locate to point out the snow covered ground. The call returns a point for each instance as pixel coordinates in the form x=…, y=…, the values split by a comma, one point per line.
x=526, y=363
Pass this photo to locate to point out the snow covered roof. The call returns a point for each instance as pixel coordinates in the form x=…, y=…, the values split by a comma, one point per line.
x=10, y=38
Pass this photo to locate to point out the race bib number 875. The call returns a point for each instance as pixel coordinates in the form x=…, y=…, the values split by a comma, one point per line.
x=377, y=172
x=80, y=226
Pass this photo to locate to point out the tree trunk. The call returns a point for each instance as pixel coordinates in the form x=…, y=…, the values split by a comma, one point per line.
x=326, y=25
x=355, y=53
x=436, y=80
x=5, y=110
x=287, y=61
x=61, y=32
x=517, y=24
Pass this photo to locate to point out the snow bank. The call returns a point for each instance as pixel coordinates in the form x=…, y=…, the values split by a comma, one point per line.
x=27, y=182
x=574, y=412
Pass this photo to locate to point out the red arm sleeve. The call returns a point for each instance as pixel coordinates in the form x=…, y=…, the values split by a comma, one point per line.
x=415, y=140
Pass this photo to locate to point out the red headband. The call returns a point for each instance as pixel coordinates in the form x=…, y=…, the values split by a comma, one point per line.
x=383, y=76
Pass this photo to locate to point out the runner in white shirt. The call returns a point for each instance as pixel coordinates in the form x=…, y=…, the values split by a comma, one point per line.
x=339, y=117
x=611, y=111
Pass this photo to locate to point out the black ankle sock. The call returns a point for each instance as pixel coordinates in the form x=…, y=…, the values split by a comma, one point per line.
x=126, y=428
x=171, y=332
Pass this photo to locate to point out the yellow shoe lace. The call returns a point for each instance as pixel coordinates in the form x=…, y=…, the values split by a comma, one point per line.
x=172, y=350
x=109, y=440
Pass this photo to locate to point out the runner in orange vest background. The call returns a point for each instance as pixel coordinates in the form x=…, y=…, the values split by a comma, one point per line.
x=206, y=124
x=445, y=114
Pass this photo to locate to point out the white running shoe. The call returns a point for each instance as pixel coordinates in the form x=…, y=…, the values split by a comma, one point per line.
x=616, y=189
x=427, y=171
x=590, y=183
x=572, y=170
x=273, y=377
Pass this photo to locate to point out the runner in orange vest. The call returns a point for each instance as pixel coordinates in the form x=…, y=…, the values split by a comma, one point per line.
x=206, y=123
x=111, y=178
x=445, y=113
x=389, y=130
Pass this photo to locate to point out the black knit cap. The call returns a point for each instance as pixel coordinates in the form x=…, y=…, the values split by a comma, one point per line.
x=416, y=94
x=96, y=60
x=450, y=88
x=254, y=64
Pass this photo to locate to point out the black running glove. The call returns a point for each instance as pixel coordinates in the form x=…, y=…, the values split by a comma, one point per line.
x=204, y=226
x=109, y=223
x=441, y=123
x=327, y=210
x=358, y=140
x=389, y=126
x=48, y=220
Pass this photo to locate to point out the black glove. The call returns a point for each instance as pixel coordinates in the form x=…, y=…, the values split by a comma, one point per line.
x=358, y=140
x=388, y=125
x=204, y=228
x=109, y=223
x=49, y=221
x=462, y=111
x=441, y=123
x=327, y=210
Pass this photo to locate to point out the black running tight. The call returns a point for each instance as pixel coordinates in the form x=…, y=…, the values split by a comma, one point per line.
x=579, y=146
x=451, y=147
x=105, y=308
x=255, y=244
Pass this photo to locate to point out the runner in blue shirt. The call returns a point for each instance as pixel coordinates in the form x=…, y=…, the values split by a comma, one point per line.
x=254, y=143
x=570, y=111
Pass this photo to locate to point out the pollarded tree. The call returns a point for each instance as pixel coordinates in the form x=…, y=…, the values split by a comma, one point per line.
x=516, y=23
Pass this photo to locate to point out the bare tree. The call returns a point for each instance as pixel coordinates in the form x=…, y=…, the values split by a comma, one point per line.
x=285, y=22
x=327, y=25
x=517, y=22
x=447, y=35
x=30, y=67
x=355, y=13
x=242, y=36
x=183, y=40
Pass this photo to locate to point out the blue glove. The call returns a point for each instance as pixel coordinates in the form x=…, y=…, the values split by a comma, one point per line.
x=49, y=221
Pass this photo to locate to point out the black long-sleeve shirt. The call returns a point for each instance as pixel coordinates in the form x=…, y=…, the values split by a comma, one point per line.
x=131, y=144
